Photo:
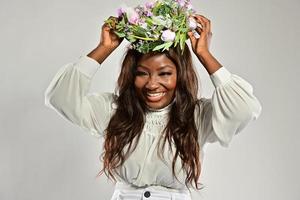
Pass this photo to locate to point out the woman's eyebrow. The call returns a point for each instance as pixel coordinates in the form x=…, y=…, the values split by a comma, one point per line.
x=141, y=66
x=160, y=68
x=166, y=66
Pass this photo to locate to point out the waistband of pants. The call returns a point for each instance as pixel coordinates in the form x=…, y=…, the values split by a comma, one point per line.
x=151, y=192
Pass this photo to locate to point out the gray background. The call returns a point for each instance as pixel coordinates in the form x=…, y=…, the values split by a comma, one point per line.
x=45, y=157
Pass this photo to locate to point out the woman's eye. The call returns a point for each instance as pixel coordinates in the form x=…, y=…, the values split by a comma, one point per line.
x=140, y=73
x=165, y=74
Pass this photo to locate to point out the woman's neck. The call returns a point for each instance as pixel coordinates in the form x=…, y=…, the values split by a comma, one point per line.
x=166, y=108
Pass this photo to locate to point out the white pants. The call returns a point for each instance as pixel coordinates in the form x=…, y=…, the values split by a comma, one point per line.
x=126, y=192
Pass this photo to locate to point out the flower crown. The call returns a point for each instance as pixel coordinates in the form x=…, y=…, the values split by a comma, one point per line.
x=156, y=25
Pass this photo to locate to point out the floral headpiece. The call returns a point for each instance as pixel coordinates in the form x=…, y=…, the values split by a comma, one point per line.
x=155, y=26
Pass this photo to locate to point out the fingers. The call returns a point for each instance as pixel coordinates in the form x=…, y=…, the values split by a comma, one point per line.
x=199, y=30
x=204, y=22
x=192, y=37
x=105, y=27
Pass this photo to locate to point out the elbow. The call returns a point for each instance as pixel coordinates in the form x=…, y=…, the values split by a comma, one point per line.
x=63, y=107
x=57, y=99
x=249, y=112
x=47, y=99
x=254, y=110
x=257, y=110
x=54, y=101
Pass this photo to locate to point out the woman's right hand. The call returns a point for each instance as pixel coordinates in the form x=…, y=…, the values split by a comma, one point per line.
x=108, y=38
x=109, y=41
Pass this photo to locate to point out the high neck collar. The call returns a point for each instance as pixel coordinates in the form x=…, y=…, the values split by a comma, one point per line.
x=162, y=110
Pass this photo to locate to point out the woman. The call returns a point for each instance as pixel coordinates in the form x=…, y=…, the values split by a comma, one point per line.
x=155, y=127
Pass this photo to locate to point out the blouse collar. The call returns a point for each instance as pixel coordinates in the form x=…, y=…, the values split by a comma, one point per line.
x=162, y=110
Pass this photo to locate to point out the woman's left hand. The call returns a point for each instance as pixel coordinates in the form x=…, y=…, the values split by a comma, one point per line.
x=201, y=45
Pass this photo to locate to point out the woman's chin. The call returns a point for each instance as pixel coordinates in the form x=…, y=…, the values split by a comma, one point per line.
x=156, y=105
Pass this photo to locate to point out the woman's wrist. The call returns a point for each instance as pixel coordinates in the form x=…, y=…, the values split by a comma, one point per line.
x=209, y=62
x=100, y=53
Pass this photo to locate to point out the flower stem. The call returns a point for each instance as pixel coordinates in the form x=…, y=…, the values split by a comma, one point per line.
x=143, y=38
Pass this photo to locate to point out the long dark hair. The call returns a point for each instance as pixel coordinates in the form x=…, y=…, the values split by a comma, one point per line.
x=127, y=123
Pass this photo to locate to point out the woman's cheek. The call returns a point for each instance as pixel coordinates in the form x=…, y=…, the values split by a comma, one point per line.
x=138, y=83
x=171, y=83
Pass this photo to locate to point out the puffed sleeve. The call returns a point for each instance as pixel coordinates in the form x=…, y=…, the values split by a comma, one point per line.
x=232, y=106
x=68, y=94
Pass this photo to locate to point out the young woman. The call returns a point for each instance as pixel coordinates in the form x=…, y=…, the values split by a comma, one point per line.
x=155, y=126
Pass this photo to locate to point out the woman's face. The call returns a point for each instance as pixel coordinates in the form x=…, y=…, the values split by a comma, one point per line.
x=155, y=80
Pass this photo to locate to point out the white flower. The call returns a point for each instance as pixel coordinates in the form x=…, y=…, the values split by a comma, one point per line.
x=168, y=35
x=144, y=25
x=168, y=23
x=159, y=20
x=192, y=23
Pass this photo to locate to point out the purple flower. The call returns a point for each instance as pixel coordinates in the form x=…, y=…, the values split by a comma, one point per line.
x=120, y=12
x=134, y=19
x=189, y=6
x=139, y=9
x=132, y=15
x=149, y=5
x=168, y=35
x=181, y=2
x=149, y=13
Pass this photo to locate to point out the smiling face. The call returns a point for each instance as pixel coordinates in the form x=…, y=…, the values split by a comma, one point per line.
x=155, y=80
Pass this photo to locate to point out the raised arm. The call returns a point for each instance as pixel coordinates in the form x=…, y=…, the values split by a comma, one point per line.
x=108, y=43
x=230, y=109
x=201, y=45
x=233, y=104
x=68, y=93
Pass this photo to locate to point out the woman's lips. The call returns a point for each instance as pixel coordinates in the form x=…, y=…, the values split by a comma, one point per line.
x=154, y=97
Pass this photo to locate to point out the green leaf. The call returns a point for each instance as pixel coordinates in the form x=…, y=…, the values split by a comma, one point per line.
x=167, y=45
x=159, y=47
x=182, y=40
x=149, y=21
x=130, y=38
x=120, y=34
x=139, y=31
x=177, y=38
x=163, y=46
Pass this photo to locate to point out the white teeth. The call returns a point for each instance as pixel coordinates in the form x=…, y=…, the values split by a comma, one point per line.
x=156, y=94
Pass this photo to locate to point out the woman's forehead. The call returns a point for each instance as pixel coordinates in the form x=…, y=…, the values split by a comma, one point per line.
x=157, y=61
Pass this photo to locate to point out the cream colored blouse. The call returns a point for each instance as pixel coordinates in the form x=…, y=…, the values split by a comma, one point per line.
x=230, y=109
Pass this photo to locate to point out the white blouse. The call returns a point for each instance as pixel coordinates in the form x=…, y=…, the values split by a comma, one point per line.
x=230, y=109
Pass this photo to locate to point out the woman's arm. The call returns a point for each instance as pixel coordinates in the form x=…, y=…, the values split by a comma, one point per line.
x=108, y=43
x=100, y=53
x=233, y=104
x=200, y=45
x=231, y=108
x=68, y=95
x=68, y=92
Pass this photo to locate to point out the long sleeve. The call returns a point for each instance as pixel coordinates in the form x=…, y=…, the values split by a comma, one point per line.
x=68, y=95
x=232, y=106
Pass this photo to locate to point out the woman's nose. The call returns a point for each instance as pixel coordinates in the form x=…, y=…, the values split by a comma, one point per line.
x=152, y=83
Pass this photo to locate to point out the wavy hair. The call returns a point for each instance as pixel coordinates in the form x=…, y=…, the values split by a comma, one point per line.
x=126, y=125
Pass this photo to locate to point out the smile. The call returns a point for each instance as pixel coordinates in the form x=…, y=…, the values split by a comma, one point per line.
x=155, y=96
